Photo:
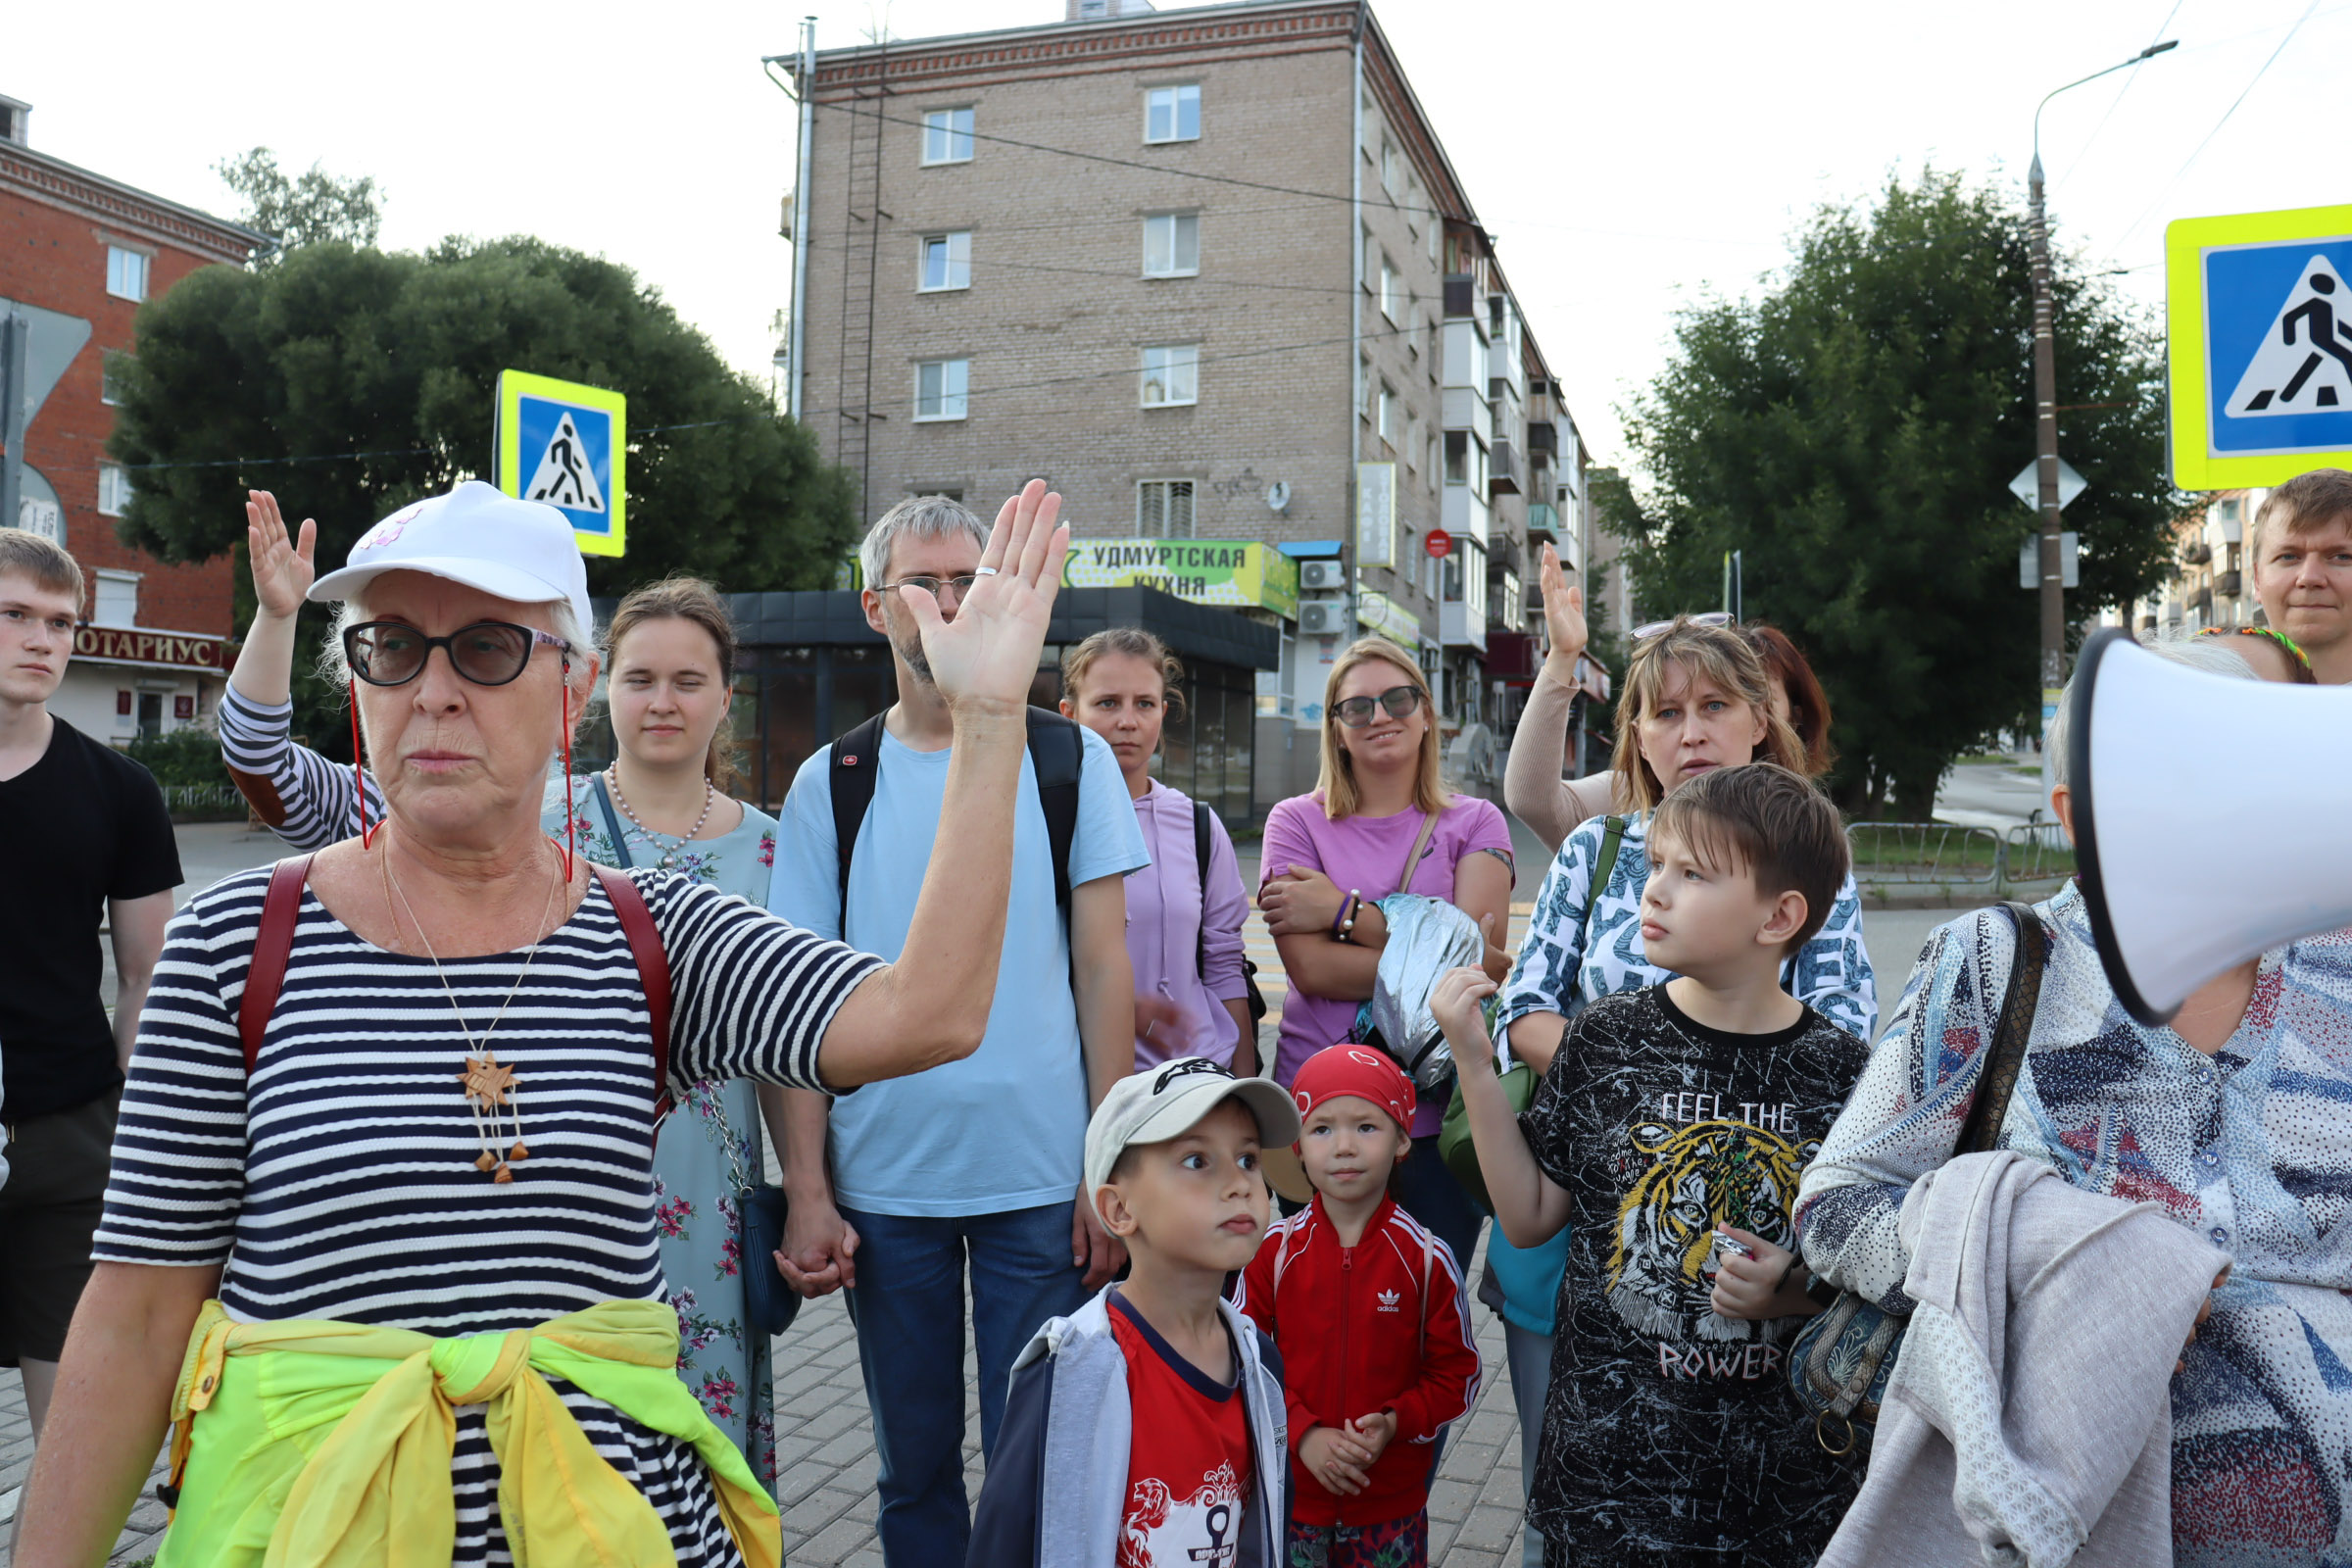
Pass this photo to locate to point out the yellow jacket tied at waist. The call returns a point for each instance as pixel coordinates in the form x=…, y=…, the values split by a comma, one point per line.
x=316, y=1444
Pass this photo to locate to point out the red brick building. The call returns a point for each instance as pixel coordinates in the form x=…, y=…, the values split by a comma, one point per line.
x=77, y=254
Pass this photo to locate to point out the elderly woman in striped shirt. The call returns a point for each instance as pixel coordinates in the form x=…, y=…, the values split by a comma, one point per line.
x=386, y=1253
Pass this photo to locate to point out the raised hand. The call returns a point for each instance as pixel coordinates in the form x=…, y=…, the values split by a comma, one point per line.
x=1454, y=1001
x=1563, y=609
x=988, y=654
x=282, y=568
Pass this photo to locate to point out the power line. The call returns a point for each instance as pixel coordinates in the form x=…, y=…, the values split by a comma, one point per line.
x=2083, y=152
x=2272, y=60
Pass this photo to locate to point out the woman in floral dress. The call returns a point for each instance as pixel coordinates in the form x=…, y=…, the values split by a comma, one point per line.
x=670, y=658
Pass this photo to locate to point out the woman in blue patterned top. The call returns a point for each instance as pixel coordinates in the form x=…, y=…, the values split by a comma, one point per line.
x=2232, y=1117
x=663, y=805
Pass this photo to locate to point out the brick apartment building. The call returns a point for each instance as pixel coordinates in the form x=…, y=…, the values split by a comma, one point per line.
x=77, y=254
x=1210, y=272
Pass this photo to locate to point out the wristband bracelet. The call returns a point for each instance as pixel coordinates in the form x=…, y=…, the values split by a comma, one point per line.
x=1348, y=908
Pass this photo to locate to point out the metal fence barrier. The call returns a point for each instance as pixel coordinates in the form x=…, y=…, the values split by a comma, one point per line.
x=201, y=798
x=1892, y=855
x=1914, y=853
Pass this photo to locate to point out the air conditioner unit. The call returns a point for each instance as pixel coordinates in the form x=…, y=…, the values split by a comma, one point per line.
x=1323, y=618
x=1321, y=577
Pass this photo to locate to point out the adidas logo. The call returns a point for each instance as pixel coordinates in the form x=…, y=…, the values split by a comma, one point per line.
x=1388, y=1300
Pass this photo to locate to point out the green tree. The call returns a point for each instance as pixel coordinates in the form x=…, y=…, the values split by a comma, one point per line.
x=351, y=381
x=1853, y=429
x=303, y=209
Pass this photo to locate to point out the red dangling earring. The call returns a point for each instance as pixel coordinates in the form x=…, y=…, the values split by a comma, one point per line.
x=359, y=785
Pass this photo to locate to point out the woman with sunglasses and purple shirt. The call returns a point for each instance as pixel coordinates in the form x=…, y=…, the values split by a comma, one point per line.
x=1330, y=857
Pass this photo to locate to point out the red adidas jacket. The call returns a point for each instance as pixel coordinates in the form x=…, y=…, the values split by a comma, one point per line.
x=1377, y=1326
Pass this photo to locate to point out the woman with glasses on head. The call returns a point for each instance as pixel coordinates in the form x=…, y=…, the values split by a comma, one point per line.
x=1552, y=806
x=670, y=655
x=1328, y=858
x=380, y=1233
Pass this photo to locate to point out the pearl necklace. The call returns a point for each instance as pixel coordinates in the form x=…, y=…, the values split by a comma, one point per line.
x=669, y=857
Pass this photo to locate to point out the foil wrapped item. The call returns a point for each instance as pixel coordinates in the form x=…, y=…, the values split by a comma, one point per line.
x=1426, y=938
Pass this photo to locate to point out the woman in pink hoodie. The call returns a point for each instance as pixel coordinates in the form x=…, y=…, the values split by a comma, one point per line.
x=1184, y=911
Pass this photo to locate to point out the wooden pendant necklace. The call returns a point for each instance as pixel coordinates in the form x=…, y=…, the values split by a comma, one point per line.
x=669, y=857
x=492, y=1091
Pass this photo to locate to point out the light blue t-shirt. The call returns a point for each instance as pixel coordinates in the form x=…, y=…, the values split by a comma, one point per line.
x=1006, y=1127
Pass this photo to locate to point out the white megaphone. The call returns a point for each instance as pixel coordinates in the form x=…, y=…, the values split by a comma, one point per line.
x=2174, y=772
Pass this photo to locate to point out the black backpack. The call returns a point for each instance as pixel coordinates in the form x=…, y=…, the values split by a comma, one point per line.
x=1055, y=751
x=1202, y=841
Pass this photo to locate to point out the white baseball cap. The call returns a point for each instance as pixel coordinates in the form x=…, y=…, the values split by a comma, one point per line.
x=1169, y=1101
x=479, y=536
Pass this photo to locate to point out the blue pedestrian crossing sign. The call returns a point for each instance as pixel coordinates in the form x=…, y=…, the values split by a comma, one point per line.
x=2259, y=308
x=567, y=445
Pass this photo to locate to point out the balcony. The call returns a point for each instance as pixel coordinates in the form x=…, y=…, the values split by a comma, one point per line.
x=1502, y=555
x=2228, y=584
x=2147, y=622
x=1461, y=299
x=1543, y=523
x=1502, y=469
x=2201, y=601
x=1542, y=437
x=2198, y=553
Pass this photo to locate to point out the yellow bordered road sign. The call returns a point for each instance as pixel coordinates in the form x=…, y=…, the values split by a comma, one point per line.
x=567, y=445
x=2259, y=318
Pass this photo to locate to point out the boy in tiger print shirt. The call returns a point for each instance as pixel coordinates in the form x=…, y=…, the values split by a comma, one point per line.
x=1668, y=1136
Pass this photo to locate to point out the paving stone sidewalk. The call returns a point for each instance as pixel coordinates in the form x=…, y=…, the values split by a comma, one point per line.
x=825, y=1448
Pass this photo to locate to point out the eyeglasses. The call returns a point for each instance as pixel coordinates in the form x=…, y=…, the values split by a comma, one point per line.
x=932, y=585
x=1712, y=617
x=488, y=653
x=1356, y=711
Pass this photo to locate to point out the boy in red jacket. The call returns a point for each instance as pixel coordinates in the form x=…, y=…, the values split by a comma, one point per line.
x=1366, y=1307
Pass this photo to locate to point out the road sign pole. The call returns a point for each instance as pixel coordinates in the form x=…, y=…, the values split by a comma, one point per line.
x=14, y=332
x=2045, y=450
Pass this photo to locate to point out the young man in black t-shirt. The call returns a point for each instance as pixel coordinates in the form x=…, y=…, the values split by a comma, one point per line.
x=1669, y=1135
x=84, y=838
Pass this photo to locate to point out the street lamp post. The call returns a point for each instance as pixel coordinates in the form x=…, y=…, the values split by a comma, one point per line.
x=2045, y=405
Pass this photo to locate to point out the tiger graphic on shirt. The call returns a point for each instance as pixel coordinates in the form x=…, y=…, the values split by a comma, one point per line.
x=1163, y=1531
x=1705, y=1174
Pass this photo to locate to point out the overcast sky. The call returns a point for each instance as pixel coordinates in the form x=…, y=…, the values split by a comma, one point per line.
x=1629, y=157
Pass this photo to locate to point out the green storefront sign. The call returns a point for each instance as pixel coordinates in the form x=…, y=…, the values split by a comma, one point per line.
x=1241, y=573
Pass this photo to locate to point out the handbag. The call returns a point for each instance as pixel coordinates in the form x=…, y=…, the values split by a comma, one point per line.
x=1519, y=1080
x=1840, y=1360
x=768, y=1304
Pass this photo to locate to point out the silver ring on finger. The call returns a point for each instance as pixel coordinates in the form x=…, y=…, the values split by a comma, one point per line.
x=984, y=572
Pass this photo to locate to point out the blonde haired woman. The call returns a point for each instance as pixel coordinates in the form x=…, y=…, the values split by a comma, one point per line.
x=1331, y=855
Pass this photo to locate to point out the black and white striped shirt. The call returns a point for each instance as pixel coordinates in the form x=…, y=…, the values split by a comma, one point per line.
x=339, y=1182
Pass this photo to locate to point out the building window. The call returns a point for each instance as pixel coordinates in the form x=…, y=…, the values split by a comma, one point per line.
x=111, y=366
x=941, y=389
x=113, y=489
x=1171, y=245
x=1457, y=456
x=948, y=136
x=125, y=272
x=1171, y=376
x=1365, y=382
x=946, y=262
x=116, y=601
x=1163, y=509
x=1386, y=408
x=1412, y=443
x=1173, y=113
x=1392, y=289
x=1392, y=167
x=1432, y=456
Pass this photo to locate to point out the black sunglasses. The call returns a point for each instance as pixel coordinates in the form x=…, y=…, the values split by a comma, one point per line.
x=488, y=653
x=1356, y=711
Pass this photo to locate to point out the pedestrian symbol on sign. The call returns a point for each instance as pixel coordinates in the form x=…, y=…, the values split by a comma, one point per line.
x=2305, y=360
x=564, y=477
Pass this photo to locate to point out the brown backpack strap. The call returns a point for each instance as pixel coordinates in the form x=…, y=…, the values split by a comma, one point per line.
x=653, y=970
x=273, y=946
